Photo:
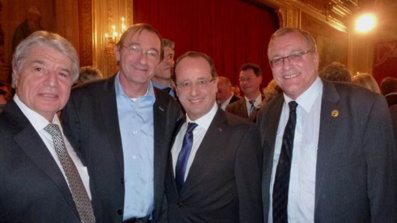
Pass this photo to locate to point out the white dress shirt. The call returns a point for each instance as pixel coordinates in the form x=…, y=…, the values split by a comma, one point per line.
x=39, y=123
x=301, y=195
x=226, y=103
x=258, y=101
x=198, y=135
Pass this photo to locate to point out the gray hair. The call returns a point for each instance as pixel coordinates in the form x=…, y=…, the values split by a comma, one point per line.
x=286, y=30
x=44, y=38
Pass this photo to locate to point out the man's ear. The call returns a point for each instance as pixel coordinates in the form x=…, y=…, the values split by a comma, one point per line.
x=117, y=52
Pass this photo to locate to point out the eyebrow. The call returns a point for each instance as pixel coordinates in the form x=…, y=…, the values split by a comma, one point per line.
x=141, y=46
x=43, y=63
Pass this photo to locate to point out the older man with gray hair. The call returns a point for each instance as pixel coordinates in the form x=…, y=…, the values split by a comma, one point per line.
x=43, y=178
x=329, y=153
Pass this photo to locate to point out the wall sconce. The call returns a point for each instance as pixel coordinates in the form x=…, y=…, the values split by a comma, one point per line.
x=114, y=34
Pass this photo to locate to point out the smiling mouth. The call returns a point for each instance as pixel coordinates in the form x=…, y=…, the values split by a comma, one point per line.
x=290, y=76
x=195, y=100
x=49, y=95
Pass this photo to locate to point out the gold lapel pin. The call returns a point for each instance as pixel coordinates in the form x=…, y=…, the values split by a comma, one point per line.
x=335, y=113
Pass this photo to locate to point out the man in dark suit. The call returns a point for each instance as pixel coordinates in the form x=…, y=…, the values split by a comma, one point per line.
x=123, y=126
x=214, y=169
x=42, y=178
x=162, y=75
x=388, y=87
x=329, y=153
x=225, y=95
x=250, y=81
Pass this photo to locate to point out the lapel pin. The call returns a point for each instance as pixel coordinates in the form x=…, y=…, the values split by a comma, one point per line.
x=335, y=113
x=162, y=109
x=220, y=129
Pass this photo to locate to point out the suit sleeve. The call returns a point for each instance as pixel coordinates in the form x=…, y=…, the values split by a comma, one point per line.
x=380, y=153
x=248, y=176
x=71, y=122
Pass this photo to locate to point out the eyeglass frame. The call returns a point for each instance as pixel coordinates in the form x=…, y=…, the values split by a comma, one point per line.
x=141, y=51
x=190, y=84
x=298, y=55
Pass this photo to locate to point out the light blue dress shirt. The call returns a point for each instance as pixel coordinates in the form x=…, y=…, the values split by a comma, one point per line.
x=137, y=137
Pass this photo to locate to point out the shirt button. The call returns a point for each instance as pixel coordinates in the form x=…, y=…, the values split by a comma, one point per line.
x=133, y=157
x=134, y=132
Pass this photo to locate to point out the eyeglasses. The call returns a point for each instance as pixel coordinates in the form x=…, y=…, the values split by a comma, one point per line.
x=293, y=58
x=245, y=79
x=136, y=50
x=200, y=83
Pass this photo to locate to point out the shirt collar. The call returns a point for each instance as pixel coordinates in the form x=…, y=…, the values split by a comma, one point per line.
x=205, y=120
x=38, y=121
x=120, y=90
x=307, y=99
x=161, y=86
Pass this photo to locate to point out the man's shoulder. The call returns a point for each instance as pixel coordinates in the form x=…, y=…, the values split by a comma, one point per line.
x=236, y=104
x=95, y=87
x=349, y=91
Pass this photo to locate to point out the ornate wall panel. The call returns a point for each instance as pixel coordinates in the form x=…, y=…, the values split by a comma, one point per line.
x=108, y=13
x=332, y=44
x=86, y=31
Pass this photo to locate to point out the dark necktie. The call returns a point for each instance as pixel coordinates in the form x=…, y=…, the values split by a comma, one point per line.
x=167, y=89
x=252, y=102
x=77, y=189
x=183, y=156
x=281, y=182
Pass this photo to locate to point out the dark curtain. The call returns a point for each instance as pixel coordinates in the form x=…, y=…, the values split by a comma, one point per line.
x=231, y=32
x=385, y=60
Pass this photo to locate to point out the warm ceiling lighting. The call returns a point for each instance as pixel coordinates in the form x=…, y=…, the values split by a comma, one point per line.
x=365, y=23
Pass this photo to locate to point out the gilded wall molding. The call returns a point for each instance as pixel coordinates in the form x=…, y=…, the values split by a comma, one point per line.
x=108, y=13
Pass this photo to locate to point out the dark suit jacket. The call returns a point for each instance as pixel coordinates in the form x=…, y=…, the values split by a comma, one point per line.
x=391, y=99
x=356, y=158
x=223, y=183
x=393, y=113
x=239, y=108
x=234, y=99
x=32, y=187
x=91, y=116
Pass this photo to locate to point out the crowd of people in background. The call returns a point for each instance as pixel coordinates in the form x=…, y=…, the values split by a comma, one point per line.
x=171, y=141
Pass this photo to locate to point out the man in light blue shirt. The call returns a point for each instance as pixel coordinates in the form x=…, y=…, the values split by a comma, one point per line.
x=124, y=126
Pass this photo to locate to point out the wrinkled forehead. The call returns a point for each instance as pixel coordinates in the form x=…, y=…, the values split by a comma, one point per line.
x=288, y=42
x=134, y=37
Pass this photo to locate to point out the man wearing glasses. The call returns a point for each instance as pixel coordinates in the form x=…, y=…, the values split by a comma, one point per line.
x=123, y=126
x=329, y=153
x=214, y=172
x=250, y=82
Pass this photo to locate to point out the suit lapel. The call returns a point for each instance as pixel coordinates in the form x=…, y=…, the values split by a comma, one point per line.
x=108, y=105
x=161, y=146
x=30, y=142
x=328, y=127
x=269, y=131
x=243, y=108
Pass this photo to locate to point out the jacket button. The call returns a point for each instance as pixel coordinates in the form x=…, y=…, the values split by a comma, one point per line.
x=180, y=204
x=120, y=212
